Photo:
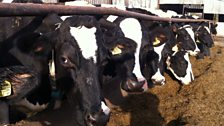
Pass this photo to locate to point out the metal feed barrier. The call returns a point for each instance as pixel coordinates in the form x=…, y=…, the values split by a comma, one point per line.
x=31, y=9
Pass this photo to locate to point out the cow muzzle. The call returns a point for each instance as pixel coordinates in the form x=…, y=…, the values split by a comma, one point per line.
x=100, y=118
x=158, y=78
x=134, y=85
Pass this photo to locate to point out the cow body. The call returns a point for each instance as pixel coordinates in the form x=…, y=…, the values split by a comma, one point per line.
x=22, y=44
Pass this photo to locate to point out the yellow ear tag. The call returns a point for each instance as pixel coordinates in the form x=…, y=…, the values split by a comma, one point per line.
x=5, y=89
x=156, y=42
x=197, y=41
x=116, y=51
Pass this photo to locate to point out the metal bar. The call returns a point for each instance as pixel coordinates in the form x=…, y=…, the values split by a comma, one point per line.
x=30, y=9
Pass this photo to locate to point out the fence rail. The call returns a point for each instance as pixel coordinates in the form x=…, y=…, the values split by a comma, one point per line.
x=30, y=9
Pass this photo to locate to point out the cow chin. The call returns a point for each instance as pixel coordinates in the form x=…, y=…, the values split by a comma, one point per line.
x=100, y=118
x=131, y=85
x=158, y=78
x=194, y=53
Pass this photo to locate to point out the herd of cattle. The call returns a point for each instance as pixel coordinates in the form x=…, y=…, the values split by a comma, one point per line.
x=48, y=58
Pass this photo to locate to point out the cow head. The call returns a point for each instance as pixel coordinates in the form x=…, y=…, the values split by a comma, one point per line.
x=159, y=38
x=121, y=59
x=77, y=72
x=180, y=66
x=33, y=50
x=203, y=35
x=186, y=39
x=213, y=28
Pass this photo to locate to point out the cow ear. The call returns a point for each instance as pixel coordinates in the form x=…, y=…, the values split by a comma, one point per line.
x=25, y=42
x=162, y=37
x=215, y=25
x=175, y=28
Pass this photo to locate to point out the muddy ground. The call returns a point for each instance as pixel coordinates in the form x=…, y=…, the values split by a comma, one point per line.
x=199, y=104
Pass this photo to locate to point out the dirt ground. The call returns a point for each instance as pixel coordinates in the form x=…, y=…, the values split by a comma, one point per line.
x=199, y=104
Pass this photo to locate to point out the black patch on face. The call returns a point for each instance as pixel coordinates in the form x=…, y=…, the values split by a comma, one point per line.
x=179, y=64
x=204, y=36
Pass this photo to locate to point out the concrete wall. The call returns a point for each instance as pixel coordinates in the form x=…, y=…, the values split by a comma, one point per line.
x=210, y=6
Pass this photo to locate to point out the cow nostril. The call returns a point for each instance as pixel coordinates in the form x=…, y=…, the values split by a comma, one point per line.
x=141, y=82
x=134, y=85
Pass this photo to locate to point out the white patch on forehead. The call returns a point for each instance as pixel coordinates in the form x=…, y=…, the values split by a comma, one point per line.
x=175, y=48
x=159, y=50
x=207, y=29
x=132, y=29
x=191, y=33
x=105, y=109
x=86, y=40
x=112, y=18
x=64, y=17
x=7, y=1
x=189, y=77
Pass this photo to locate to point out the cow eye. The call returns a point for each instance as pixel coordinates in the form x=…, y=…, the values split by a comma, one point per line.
x=186, y=38
x=64, y=60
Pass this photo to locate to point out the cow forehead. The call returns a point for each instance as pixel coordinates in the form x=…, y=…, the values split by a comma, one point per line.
x=190, y=32
x=112, y=18
x=207, y=29
x=86, y=40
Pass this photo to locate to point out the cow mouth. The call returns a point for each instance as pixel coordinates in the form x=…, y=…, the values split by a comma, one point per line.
x=160, y=83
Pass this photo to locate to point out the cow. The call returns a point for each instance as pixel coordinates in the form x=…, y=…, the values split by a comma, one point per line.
x=203, y=38
x=121, y=50
x=79, y=54
x=163, y=39
x=180, y=66
x=152, y=57
x=22, y=44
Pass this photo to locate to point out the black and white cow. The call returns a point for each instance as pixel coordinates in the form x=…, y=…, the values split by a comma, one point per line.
x=162, y=39
x=154, y=32
x=132, y=29
x=18, y=84
x=120, y=62
x=203, y=38
x=180, y=66
x=79, y=53
x=22, y=44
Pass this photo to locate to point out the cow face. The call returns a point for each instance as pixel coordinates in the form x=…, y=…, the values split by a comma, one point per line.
x=186, y=39
x=159, y=41
x=135, y=33
x=213, y=28
x=203, y=35
x=180, y=66
x=77, y=72
x=121, y=58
